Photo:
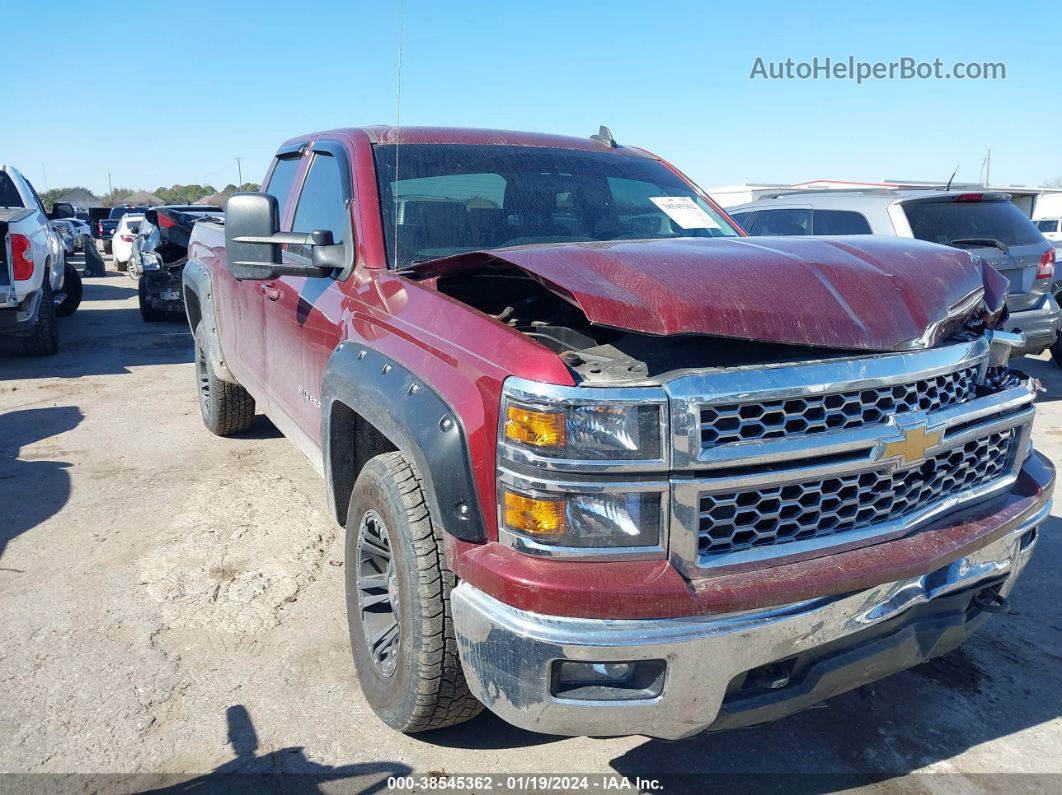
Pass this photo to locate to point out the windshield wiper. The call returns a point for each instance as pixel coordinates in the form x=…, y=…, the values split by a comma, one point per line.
x=984, y=242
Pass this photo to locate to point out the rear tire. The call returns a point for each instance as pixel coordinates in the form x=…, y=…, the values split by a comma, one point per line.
x=73, y=290
x=120, y=266
x=398, y=603
x=149, y=314
x=226, y=408
x=44, y=341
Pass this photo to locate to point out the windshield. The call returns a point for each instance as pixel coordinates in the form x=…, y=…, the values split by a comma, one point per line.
x=452, y=198
x=947, y=221
x=118, y=212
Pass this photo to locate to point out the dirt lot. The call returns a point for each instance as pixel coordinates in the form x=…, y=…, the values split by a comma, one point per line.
x=170, y=602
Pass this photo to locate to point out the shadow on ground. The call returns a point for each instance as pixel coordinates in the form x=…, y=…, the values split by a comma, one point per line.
x=33, y=490
x=101, y=342
x=284, y=770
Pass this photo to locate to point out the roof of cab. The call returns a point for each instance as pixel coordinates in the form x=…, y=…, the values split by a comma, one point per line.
x=384, y=134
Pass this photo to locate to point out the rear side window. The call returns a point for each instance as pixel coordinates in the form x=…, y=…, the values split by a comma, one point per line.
x=742, y=219
x=795, y=221
x=322, y=204
x=949, y=221
x=281, y=180
x=9, y=196
x=1050, y=225
x=840, y=222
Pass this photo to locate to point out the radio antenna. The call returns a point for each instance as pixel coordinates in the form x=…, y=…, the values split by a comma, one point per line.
x=398, y=119
x=953, y=173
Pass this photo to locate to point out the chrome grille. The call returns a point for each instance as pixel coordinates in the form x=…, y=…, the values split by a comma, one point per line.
x=740, y=520
x=772, y=419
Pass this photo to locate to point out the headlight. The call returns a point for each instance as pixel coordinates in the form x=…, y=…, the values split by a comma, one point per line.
x=584, y=520
x=149, y=262
x=584, y=428
x=545, y=430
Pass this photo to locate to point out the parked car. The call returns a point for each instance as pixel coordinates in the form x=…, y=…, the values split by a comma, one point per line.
x=1051, y=228
x=985, y=223
x=122, y=242
x=36, y=285
x=160, y=251
x=108, y=225
x=147, y=235
x=606, y=465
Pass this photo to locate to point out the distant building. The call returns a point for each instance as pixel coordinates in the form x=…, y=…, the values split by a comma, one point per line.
x=142, y=197
x=81, y=198
x=1033, y=201
x=214, y=199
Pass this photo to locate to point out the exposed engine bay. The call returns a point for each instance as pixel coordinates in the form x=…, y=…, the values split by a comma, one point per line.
x=601, y=355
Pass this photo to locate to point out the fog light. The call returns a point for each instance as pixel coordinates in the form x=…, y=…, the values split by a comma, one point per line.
x=608, y=681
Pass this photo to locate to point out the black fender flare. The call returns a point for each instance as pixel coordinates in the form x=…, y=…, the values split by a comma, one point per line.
x=414, y=418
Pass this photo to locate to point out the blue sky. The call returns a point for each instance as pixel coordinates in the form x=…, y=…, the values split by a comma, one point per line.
x=163, y=93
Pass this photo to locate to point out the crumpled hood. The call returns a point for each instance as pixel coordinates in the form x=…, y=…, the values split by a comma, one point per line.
x=869, y=293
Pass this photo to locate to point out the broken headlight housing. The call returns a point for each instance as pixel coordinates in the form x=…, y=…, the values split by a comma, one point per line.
x=553, y=440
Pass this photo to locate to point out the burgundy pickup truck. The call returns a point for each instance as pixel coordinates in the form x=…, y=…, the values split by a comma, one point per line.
x=607, y=466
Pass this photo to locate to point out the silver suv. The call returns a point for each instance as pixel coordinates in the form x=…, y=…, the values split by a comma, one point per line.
x=988, y=224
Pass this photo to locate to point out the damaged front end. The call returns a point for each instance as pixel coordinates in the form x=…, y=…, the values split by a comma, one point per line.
x=631, y=311
x=160, y=284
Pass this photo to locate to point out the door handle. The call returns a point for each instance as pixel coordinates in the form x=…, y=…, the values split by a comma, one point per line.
x=270, y=291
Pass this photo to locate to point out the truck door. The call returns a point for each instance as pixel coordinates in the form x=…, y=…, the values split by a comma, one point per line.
x=303, y=323
x=244, y=337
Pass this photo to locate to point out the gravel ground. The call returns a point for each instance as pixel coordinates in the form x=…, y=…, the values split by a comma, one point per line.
x=171, y=603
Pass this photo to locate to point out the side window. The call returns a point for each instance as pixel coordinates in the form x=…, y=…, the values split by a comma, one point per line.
x=794, y=221
x=840, y=222
x=742, y=218
x=36, y=197
x=280, y=181
x=322, y=204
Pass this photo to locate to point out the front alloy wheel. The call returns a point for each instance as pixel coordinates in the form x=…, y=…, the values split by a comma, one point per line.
x=378, y=593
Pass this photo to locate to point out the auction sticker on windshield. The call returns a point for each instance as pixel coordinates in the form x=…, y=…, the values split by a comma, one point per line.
x=684, y=212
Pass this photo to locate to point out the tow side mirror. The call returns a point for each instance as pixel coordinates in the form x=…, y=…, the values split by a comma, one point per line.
x=253, y=241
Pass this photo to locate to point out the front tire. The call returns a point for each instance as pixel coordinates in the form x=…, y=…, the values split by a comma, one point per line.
x=44, y=341
x=227, y=408
x=398, y=603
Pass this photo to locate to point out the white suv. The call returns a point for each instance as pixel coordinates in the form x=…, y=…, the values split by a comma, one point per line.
x=986, y=223
x=122, y=242
x=1051, y=228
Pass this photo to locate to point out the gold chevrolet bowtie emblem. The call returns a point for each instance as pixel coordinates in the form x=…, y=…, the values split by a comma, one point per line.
x=914, y=442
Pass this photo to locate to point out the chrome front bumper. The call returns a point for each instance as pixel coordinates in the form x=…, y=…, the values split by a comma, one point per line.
x=509, y=655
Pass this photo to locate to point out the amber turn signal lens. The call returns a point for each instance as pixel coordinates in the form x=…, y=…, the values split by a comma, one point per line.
x=534, y=516
x=536, y=428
